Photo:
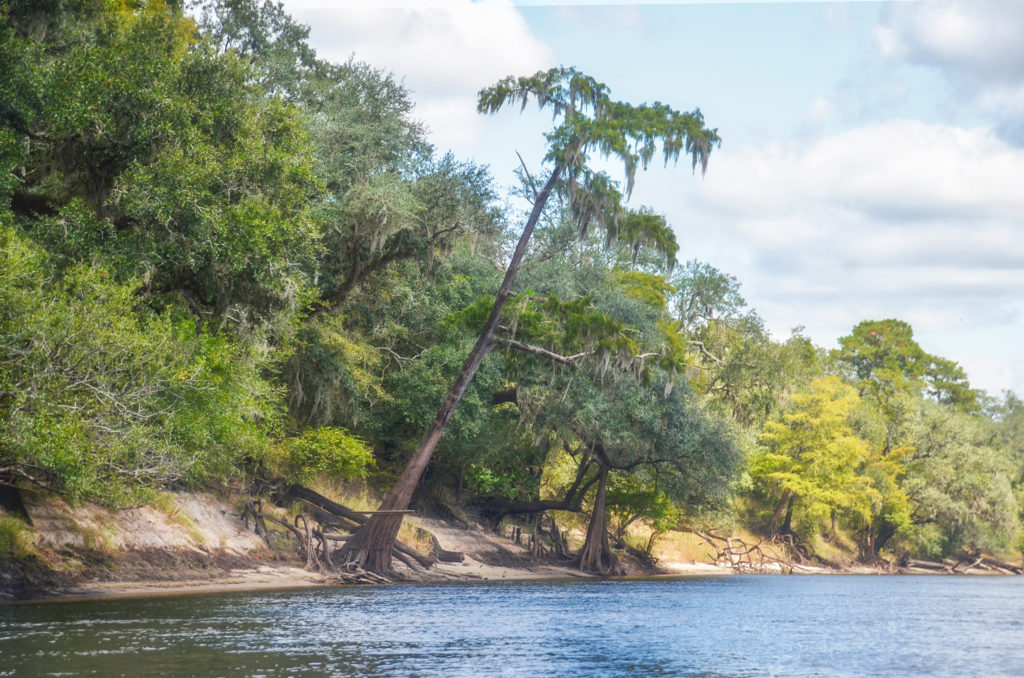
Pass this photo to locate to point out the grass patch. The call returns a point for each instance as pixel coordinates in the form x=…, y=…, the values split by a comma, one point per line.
x=682, y=547
x=165, y=503
x=95, y=538
x=17, y=539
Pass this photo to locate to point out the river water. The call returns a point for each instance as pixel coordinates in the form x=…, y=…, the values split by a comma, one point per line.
x=699, y=626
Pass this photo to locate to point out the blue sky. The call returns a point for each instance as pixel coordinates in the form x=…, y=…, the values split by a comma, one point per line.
x=872, y=163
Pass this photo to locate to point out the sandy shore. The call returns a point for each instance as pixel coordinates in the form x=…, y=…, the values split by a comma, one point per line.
x=279, y=578
x=486, y=558
x=201, y=546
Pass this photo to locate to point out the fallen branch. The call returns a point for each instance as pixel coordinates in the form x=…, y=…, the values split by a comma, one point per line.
x=1003, y=565
x=929, y=565
x=739, y=555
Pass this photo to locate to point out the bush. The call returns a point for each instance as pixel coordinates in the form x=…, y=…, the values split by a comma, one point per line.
x=326, y=451
x=105, y=399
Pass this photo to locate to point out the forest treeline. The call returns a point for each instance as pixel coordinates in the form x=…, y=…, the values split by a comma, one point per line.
x=224, y=260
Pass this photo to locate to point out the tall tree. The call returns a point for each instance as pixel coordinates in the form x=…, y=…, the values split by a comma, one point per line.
x=588, y=123
x=812, y=460
x=139, y=142
x=888, y=366
x=740, y=368
x=643, y=430
x=959, y=483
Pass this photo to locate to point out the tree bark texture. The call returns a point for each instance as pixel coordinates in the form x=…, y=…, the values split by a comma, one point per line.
x=596, y=555
x=773, y=524
x=370, y=547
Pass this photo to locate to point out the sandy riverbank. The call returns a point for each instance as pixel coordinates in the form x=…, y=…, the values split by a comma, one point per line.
x=281, y=578
x=198, y=544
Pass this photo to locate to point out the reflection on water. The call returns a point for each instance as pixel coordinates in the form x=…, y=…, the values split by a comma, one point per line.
x=729, y=626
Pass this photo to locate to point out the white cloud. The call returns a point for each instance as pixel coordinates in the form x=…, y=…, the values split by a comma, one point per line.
x=821, y=110
x=978, y=44
x=445, y=50
x=898, y=219
x=982, y=37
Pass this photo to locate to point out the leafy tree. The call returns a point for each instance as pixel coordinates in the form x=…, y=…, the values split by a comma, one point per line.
x=144, y=145
x=104, y=401
x=628, y=428
x=738, y=366
x=282, y=62
x=888, y=365
x=612, y=405
x=589, y=122
x=812, y=462
x=959, y=482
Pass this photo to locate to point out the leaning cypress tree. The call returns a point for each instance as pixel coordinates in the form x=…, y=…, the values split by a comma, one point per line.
x=587, y=123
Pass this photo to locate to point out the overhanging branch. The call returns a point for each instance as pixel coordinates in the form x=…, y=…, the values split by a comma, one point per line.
x=570, y=360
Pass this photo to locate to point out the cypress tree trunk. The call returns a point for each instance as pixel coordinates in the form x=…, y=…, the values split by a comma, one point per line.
x=886, y=531
x=787, y=524
x=596, y=555
x=773, y=524
x=370, y=547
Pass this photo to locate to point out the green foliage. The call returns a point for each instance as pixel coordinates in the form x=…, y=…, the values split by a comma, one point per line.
x=588, y=122
x=733, y=361
x=146, y=146
x=17, y=540
x=591, y=121
x=643, y=228
x=327, y=451
x=704, y=294
x=105, y=400
x=647, y=288
x=886, y=362
x=632, y=498
x=484, y=481
x=960, y=481
x=812, y=456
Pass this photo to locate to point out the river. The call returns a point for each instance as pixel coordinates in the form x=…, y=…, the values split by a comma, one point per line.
x=699, y=626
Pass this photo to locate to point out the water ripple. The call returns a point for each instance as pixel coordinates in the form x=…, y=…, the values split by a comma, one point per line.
x=701, y=627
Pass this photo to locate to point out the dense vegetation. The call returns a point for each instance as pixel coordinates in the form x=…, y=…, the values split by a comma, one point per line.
x=223, y=260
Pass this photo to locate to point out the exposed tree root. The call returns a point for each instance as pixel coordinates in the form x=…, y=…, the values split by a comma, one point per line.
x=742, y=556
x=316, y=534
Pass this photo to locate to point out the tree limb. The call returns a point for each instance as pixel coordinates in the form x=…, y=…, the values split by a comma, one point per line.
x=544, y=353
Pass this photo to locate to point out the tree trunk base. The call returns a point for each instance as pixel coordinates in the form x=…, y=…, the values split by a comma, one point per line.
x=370, y=547
x=596, y=556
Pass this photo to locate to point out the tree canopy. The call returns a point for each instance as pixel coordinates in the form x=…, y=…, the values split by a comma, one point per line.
x=227, y=261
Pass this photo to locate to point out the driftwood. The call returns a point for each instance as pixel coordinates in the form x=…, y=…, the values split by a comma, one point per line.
x=742, y=556
x=356, y=577
x=967, y=562
x=1009, y=568
x=929, y=565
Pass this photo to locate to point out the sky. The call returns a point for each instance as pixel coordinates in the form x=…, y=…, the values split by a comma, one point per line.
x=872, y=162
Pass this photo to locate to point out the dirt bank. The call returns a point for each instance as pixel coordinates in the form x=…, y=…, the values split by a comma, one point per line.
x=199, y=543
